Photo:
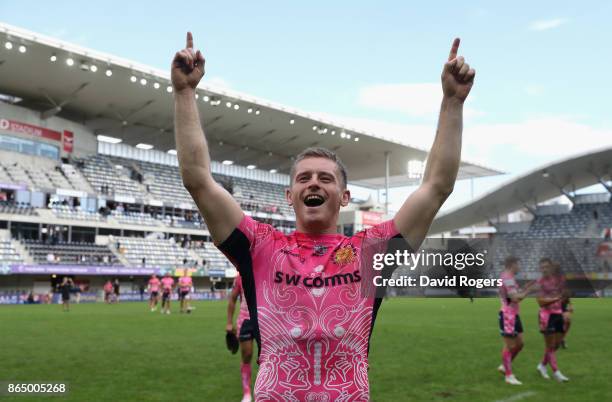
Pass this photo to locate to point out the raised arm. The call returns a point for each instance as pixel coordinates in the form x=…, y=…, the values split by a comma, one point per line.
x=418, y=211
x=218, y=208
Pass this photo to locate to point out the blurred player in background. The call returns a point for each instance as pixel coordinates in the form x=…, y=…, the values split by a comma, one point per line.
x=167, y=284
x=550, y=299
x=246, y=334
x=116, y=292
x=153, y=288
x=510, y=325
x=108, y=290
x=65, y=288
x=185, y=283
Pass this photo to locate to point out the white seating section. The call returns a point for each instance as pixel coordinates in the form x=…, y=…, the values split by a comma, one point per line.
x=8, y=254
x=4, y=176
x=259, y=196
x=135, y=218
x=164, y=183
x=7, y=207
x=75, y=253
x=35, y=177
x=76, y=178
x=209, y=253
x=157, y=253
x=66, y=212
x=100, y=172
x=18, y=175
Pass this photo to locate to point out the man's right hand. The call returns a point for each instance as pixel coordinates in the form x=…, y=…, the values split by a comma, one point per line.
x=230, y=328
x=187, y=67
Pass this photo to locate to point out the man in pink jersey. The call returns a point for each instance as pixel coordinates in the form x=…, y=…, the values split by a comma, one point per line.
x=311, y=317
x=246, y=334
x=185, y=283
x=167, y=284
x=154, y=285
x=510, y=325
x=550, y=299
x=108, y=290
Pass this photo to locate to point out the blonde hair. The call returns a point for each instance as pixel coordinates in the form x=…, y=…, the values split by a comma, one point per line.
x=320, y=152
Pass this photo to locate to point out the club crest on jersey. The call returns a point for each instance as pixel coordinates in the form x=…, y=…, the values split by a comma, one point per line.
x=345, y=255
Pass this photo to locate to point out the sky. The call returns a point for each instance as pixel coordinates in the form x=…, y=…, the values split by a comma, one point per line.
x=543, y=80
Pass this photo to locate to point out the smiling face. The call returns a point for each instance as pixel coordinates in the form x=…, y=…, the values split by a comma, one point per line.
x=317, y=192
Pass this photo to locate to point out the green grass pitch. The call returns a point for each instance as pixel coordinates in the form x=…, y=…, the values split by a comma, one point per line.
x=422, y=350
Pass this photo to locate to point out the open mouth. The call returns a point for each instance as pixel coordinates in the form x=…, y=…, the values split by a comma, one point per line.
x=314, y=200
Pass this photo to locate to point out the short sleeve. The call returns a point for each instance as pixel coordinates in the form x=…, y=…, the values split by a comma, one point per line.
x=377, y=239
x=383, y=231
x=244, y=240
x=510, y=285
x=383, y=238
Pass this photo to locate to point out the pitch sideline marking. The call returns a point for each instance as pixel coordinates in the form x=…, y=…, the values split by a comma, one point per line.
x=517, y=397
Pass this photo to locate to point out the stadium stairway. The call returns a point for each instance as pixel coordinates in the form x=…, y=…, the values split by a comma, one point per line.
x=76, y=178
x=113, y=248
x=592, y=230
x=193, y=256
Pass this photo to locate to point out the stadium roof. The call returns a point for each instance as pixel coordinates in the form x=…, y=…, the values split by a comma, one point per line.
x=128, y=106
x=539, y=185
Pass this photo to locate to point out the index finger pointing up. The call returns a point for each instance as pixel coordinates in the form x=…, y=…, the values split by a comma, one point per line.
x=189, y=41
x=454, y=49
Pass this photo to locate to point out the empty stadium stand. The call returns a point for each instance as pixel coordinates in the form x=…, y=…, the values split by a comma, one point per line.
x=574, y=255
x=155, y=252
x=76, y=253
x=76, y=178
x=164, y=183
x=583, y=220
x=4, y=176
x=17, y=174
x=9, y=207
x=67, y=212
x=135, y=218
x=210, y=255
x=8, y=253
x=570, y=236
x=102, y=175
x=36, y=177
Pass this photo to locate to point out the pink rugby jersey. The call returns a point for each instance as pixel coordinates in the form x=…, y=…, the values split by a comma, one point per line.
x=508, y=287
x=305, y=297
x=551, y=286
x=244, y=311
x=167, y=283
x=154, y=284
x=185, y=283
